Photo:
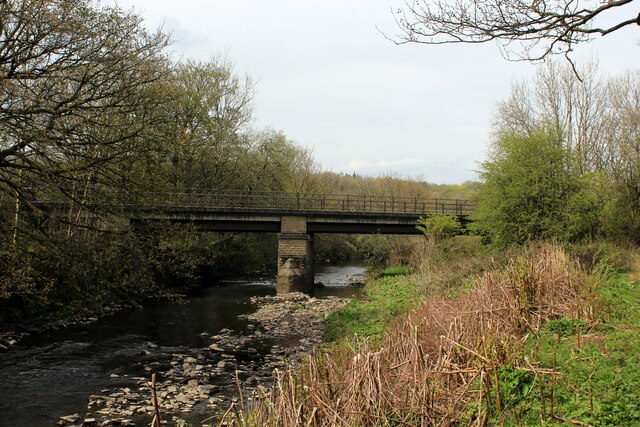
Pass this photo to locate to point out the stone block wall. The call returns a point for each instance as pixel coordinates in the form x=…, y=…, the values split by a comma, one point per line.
x=295, y=256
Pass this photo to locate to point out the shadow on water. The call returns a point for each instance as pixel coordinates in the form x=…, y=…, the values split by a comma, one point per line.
x=50, y=375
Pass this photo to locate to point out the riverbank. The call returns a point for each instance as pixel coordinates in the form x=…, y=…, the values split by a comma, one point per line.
x=535, y=340
x=11, y=335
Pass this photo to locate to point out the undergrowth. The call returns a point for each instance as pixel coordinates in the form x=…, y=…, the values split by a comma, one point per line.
x=533, y=341
x=599, y=367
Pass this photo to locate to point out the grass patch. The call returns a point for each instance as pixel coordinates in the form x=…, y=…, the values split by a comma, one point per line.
x=387, y=299
x=401, y=270
x=599, y=368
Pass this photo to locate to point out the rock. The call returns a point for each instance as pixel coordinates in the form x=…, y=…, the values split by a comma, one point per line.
x=114, y=376
x=192, y=383
x=190, y=360
x=209, y=389
x=215, y=347
x=144, y=353
x=89, y=422
x=69, y=418
x=252, y=350
x=152, y=345
x=182, y=398
x=221, y=364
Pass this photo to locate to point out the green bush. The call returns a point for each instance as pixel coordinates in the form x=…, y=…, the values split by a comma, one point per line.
x=439, y=226
x=531, y=192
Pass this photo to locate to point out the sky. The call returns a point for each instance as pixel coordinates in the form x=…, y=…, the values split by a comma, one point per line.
x=329, y=78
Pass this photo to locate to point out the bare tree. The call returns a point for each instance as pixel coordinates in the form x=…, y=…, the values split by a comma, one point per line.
x=575, y=111
x=525, y=30
x=622, y=135
x=77, y=89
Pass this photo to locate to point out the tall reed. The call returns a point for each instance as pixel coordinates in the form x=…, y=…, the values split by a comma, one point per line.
x=439, y=366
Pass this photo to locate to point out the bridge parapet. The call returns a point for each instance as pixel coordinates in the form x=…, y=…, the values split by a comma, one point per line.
x=289, y=202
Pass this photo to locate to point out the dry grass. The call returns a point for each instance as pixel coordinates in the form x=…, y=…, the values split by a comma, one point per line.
x=433, y=367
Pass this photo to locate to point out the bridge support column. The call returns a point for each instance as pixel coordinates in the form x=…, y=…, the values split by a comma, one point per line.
x=295, y=256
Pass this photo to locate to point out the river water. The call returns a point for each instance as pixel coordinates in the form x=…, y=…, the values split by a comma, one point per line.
x=50, y=375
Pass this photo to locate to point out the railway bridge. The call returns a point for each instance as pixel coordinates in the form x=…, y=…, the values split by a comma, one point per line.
x=295, y=217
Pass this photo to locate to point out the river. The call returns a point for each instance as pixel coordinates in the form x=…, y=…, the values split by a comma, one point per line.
x=53, y=374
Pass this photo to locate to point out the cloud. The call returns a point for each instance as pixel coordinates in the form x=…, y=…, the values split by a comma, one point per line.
x=367, y=166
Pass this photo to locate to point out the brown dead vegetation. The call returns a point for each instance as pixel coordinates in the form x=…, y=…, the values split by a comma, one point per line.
x=433, y=367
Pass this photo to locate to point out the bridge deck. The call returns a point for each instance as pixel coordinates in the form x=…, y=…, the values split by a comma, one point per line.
x=325, y=213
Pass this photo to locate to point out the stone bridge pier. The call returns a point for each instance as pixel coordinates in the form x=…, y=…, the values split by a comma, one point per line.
x=295, y=256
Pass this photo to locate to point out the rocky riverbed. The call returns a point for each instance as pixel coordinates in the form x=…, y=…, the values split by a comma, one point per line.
x=281, y=332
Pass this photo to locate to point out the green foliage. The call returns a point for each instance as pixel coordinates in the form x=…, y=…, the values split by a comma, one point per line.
x=401, y=270
x=565, y=327
x=600, y=368
x=439, y=226
x=386, y=299
x=531, y=192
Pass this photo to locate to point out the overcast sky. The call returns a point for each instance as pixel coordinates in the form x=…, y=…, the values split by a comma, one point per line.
x=328, y=78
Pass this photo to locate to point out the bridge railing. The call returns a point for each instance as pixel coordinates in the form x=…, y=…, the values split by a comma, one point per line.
x=312, y=202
